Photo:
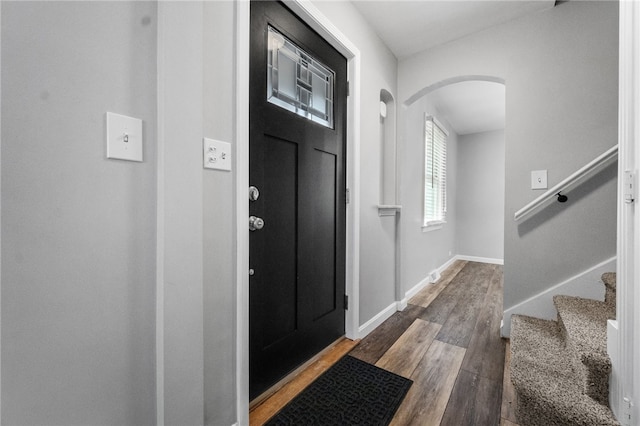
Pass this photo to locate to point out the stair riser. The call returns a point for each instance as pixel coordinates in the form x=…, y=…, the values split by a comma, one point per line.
x=531, y=411
x=610, y=296
x=594, y=376
x=553, y=385
x=596, y=382
x=592, y=373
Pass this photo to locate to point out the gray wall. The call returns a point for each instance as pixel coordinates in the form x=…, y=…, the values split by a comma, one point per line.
x=219, y=284
x=422, y=252
x=377, y=234
x=480, y=195
x=90, y=244
x=560, y=69
x=198, y=283
x=78, y=230
x=180, y=213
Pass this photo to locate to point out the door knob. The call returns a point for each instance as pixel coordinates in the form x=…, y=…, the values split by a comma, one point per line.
x=255, y=223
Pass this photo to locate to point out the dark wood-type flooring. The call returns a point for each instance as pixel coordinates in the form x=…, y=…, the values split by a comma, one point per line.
x=447, y=340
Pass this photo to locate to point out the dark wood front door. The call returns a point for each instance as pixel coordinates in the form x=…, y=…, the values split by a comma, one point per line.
x=297, y=163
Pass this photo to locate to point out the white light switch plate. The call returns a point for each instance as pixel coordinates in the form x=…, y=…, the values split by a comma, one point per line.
x=124, y=137
x=217, y=154
x=539, y=179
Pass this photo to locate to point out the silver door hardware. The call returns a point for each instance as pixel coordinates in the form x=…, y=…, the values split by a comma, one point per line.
x=630, y=186
x=254, y=194
x=255, y=223
x=251, y=272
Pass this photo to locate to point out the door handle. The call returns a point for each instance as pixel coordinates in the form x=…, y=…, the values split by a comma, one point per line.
x=255, y=223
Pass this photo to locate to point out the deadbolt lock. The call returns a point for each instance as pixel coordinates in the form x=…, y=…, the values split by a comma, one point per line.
x=254, y=194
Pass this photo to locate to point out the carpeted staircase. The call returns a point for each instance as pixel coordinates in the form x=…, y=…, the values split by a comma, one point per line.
x=560, y=369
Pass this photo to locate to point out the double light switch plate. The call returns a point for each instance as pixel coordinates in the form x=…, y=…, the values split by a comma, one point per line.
x=217, y=154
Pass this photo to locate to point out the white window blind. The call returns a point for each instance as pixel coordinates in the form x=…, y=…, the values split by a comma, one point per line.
x=435, y=173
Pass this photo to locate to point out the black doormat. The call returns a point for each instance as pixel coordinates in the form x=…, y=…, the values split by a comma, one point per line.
x=351, y=392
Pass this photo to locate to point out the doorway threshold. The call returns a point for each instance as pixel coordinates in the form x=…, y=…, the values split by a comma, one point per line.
x=263, y=407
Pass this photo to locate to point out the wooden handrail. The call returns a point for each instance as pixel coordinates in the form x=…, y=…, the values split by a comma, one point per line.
x=597, y=163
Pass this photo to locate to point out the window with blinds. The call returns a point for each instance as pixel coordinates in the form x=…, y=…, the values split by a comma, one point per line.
x=435, y=173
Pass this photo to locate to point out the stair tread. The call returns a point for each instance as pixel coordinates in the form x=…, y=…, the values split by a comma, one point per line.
x=585, y=321
x=543, y=378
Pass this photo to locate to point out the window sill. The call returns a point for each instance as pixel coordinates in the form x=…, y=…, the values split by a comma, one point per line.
x=433, y=226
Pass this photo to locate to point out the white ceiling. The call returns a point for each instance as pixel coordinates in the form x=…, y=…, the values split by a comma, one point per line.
x=411, y=26
x=470, y=106
x=408, y=27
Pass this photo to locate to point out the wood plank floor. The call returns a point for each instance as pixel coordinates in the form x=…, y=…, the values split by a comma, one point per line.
x=448, y=342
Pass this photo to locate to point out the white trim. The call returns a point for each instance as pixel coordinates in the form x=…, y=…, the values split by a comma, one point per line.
x=398, y=259
x=308, y=13
x=242, y=210
x=437, y=122
x=449, y=81
x=586, y=284
x=429, y=279
x=0, y=225
x=627, y=379
x=388, y=210
x=433, y=226
x=353, y=208
x=415, y=290
x=492, y=260
x=400, y=305
x=160, y=217
x=613, y=331
x=378, y=319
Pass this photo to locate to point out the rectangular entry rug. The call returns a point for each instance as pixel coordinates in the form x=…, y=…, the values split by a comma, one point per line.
x=351, y=392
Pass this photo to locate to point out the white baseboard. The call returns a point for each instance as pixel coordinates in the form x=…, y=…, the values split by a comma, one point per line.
x=446, y=264
x=374, y=322
x=415, y=290
x=586, y=284
x=435, y=274
x=400, y=305
x=480, y=259
x=429, y=279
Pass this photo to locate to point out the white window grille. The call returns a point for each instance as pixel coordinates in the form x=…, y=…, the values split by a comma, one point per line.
x=435, y=173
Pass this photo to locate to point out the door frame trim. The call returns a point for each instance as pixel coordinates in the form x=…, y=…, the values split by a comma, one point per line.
x=309, y=14
x=624, y=340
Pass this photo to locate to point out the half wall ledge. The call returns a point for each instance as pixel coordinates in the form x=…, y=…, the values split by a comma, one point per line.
x=388, y=209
